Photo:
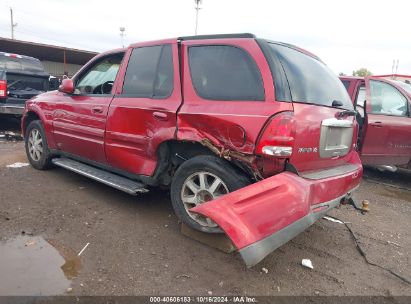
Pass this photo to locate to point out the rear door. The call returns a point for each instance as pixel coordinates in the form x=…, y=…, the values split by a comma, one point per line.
x=228, y=97
x=387, y=136
x=79, y=120
x=142, y=114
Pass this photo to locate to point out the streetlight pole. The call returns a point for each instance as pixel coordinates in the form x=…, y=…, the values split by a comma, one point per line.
x=197, y=8
x=12, y=24
x=122, y=34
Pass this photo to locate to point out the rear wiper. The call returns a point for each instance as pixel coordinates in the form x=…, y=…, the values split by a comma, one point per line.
x=337, y=103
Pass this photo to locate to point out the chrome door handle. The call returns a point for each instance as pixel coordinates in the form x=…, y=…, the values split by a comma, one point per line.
x=160, y=115
x=377, y=124
x=97, y=110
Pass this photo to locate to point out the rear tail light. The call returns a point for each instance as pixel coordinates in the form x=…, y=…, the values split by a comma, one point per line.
x=3, y=88
x=278, y=136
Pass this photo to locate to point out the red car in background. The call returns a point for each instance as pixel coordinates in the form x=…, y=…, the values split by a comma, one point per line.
x=253, y=137
x=384, y=119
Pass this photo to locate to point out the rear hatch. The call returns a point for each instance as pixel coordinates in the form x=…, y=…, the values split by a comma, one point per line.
x=324, y=125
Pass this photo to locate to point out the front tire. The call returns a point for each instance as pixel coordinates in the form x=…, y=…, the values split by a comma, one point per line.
x=201, y=179
x=36, y=146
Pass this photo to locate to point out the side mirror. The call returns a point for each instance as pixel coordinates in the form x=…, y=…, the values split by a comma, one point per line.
x=67, y=86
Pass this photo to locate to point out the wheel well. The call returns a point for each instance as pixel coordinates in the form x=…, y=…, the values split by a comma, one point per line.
x=30, y=116
x=171, y=154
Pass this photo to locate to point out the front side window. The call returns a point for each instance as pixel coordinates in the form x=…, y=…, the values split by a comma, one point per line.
x=150, y=72
x=99, y=78
x=221, y=72
x=386, y=99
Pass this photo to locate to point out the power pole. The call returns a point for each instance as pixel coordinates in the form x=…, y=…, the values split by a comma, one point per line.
x=12, y=24
x=197, y=8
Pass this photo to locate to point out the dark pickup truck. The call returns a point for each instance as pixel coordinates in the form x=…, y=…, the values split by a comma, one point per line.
x=21, y=78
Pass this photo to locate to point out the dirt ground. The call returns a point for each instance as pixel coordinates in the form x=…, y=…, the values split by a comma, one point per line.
x=136, y=248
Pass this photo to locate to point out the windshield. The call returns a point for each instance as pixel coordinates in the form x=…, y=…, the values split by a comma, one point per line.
x=404, y=85
x=310, y=80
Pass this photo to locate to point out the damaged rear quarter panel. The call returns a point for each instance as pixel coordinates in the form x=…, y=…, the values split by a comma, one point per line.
x=227, y=125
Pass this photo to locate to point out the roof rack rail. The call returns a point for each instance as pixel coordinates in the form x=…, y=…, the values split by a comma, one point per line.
x=217, y=36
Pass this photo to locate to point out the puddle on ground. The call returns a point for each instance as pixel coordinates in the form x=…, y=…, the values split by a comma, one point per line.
x=34, y=266
x=395, y=193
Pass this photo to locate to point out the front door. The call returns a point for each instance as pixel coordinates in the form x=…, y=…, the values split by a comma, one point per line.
x=387, y=137
x=80, y=119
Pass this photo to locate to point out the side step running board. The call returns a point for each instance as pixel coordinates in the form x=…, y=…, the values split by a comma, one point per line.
x=110, y=179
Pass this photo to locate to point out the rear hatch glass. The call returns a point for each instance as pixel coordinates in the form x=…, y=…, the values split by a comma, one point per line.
x=322, y=138
x=310, y=80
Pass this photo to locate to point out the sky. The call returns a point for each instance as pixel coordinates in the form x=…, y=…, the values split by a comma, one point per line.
x=346, y=35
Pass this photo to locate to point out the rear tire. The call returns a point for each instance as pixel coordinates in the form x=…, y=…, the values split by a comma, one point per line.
x=201, y=179
x=36, y=146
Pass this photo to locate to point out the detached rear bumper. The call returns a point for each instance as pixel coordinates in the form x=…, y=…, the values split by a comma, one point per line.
x=263, y=216
x=255, y=252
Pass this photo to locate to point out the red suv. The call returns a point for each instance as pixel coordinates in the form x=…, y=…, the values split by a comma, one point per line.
x=254, y=137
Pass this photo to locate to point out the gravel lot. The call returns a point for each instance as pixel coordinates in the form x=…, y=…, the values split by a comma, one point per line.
x=136, y=248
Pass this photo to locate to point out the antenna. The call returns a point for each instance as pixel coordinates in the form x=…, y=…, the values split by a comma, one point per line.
x=396, y=68
x=122, y=34
x=197, y=8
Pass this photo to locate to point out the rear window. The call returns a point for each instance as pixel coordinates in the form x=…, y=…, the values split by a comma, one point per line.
x=26, y=83
x=223, y=72
x=21, y=64
x=310, y=80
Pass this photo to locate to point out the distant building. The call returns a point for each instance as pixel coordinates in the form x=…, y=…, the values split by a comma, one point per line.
x=399, y=77
x=57, y=60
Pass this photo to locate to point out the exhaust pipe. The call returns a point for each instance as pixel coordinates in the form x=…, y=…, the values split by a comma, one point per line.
x=387, y=168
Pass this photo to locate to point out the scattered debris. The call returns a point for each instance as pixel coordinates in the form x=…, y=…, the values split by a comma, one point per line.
x=84, y=248
x=10, y=135
x=17, y=165
x=221, y=284
x=29, y=243
x=69, y=289
x=332, y=220
x=210, y=293
x=182, y=276
x=393, y=243
x=307, y=263
x=265, y=270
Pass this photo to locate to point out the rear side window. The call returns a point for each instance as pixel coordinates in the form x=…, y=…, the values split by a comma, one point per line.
x=310, y=80
x=222, y=72
x=149, y=72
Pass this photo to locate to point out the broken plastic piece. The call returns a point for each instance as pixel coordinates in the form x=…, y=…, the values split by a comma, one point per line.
x=17, y=165
x=307, y=263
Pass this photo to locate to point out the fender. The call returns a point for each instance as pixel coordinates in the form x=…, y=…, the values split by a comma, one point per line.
x=46, y=120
